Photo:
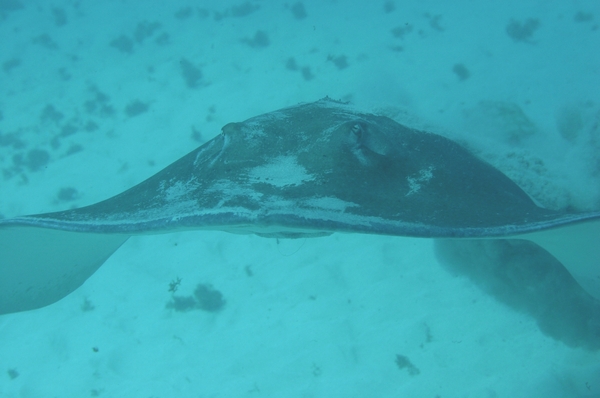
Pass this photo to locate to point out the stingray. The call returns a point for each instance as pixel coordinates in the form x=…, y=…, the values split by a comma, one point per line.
x=304, y=171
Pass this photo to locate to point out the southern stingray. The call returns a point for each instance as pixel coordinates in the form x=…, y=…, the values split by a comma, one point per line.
x=303, y=171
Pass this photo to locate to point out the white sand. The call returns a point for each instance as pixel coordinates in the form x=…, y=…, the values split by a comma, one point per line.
x=319, y=317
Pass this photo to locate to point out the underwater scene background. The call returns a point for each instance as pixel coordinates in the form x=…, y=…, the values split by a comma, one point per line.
x=96, y=96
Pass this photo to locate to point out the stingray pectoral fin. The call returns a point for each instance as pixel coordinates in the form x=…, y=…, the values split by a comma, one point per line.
x=577, y=247
x=39, y=266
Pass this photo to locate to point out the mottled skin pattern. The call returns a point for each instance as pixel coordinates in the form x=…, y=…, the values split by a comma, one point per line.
x=317, y=168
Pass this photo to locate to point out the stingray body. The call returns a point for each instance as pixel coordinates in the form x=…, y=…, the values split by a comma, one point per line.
x=308, y=170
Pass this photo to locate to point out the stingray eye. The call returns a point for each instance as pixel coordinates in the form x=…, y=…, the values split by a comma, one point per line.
x=231, y=129
x=369, y=137
x=356, y=136
x=358, y=133
x=357, y=130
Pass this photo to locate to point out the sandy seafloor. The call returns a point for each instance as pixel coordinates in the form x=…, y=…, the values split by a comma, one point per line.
x=93, y=99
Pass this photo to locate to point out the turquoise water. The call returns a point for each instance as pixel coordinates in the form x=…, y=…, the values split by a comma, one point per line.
x=97, y=96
